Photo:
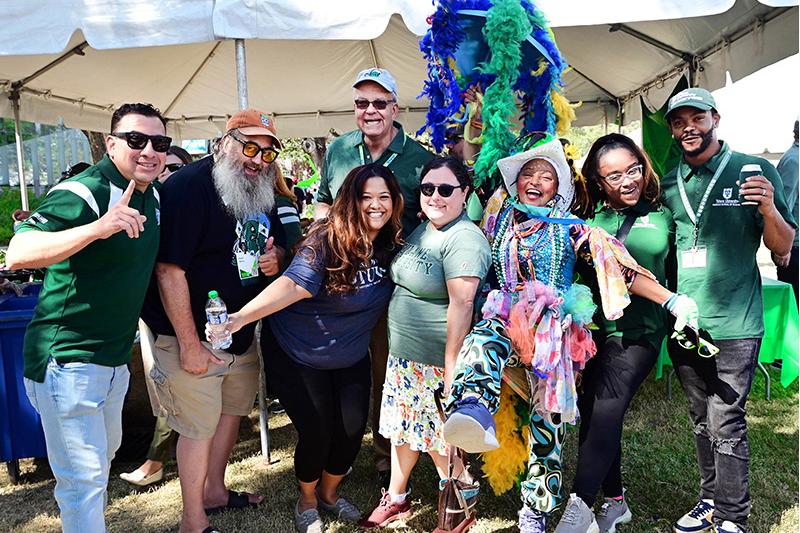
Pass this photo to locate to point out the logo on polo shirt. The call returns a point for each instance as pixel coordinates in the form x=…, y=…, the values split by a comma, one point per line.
x=727, y=199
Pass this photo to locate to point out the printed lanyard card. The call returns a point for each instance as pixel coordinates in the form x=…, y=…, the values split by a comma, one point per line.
x=247, y=264
x=694, y=257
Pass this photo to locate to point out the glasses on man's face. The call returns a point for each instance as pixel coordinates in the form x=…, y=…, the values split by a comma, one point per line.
x=250, y=149
x=173, y=167
x=137, y=140
x=445, y=189
x=379, y=104
x=691, y=339
x=634, y=172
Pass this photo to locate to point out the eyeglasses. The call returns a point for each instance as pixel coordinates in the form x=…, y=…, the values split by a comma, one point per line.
x=634, y=172
x=173, y=167
x=380, y=105
x=137, y=140
x=250, y=149
x=445, y=190
x=691, y=339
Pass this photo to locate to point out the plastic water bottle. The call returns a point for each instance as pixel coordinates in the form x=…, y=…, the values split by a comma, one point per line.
x=217, y=317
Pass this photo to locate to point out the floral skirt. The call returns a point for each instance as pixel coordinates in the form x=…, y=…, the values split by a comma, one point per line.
x=408, y=408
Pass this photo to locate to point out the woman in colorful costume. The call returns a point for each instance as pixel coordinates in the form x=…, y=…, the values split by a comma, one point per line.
x=536, y=318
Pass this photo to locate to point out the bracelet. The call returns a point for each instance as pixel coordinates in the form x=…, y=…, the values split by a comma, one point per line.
x=475, y=124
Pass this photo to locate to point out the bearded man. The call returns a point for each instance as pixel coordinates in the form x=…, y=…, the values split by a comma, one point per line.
x=220, y=232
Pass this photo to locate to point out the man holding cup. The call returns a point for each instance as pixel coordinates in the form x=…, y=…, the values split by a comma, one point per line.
x=724, y=202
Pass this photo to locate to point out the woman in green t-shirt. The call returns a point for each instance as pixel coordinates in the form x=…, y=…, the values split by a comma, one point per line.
x=437, y=274
x=622, y=197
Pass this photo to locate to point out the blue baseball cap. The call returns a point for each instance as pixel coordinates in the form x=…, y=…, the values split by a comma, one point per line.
x=381, y=76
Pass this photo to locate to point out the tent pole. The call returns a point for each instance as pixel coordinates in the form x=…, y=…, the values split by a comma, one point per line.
x=241, y=73
x=23, y=189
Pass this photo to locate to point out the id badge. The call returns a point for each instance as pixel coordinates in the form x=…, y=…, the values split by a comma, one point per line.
x=247, y=265
x=694, y=257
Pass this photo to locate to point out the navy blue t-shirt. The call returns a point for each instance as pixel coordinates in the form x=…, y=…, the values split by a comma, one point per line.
x=200, y=236
x=330, y=331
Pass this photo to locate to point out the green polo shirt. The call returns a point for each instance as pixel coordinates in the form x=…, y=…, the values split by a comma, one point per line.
x=405, y=157
x=649, y=242
x=728, y=289
x=89, y=305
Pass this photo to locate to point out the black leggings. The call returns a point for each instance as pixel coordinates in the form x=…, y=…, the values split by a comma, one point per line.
x=610, y=381
x=329, y=410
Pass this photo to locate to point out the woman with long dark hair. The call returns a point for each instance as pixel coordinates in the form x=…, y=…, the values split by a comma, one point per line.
x=321, y=311
x=621, y=196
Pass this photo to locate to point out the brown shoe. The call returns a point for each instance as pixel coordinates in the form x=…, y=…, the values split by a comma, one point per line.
x=386, y=512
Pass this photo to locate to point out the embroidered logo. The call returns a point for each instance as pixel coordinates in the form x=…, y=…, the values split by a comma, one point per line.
x=727, y=192
x=265, y=120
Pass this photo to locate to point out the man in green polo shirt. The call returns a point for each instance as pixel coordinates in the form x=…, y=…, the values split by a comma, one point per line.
x=378, y=139
x=97, y=233
x=720, y=221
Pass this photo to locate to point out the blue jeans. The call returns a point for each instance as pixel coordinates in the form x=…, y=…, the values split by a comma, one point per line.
x=717, y=390
x=81, y=409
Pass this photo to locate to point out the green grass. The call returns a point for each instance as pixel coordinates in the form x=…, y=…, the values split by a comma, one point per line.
x=658, y=458
x=10, y=202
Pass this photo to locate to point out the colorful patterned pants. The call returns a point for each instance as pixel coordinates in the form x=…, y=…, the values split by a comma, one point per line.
x=485, y=353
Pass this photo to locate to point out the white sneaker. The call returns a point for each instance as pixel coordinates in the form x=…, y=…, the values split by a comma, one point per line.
x=727, y=527
x=577, y=518
x=698, y=519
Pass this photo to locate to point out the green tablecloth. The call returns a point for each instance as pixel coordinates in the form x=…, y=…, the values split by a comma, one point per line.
x=780, y=331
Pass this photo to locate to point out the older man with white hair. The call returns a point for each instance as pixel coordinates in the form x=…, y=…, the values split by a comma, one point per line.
x=220, y=232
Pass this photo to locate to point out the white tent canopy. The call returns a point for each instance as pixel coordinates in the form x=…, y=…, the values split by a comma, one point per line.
x=79, y=59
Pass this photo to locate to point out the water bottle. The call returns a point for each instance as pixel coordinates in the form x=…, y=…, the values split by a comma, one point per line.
x=217, y=317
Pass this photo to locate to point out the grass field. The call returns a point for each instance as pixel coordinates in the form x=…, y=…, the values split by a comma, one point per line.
x=658, y=458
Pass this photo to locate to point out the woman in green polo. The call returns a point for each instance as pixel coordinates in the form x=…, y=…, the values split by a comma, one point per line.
x=622, y=197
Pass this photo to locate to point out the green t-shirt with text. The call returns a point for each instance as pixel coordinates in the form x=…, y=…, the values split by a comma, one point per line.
x=649, y=242
x=89, y=306
x=728, y=288
x=418, y=308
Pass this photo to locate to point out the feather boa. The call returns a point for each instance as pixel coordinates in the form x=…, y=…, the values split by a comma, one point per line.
x=504, y=466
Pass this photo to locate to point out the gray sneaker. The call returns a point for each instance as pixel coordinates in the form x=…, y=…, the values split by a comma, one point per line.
x=577, y=518
x=308, y=521
x=611, y=513
x=341, y=509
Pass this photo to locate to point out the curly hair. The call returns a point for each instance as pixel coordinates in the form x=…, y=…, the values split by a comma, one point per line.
x=588, y=197
x=341, y=241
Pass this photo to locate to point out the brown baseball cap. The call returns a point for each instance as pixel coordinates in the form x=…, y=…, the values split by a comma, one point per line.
x=254, y=122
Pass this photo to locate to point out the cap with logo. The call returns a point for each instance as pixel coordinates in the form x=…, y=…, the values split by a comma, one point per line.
x=693, y=97
x=381, y=76
x=254, y=122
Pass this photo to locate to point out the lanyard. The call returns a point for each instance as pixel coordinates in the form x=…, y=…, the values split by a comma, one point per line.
x=385, y=163
x=695, y=217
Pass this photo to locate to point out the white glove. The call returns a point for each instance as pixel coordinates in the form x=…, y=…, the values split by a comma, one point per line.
x=684, y=309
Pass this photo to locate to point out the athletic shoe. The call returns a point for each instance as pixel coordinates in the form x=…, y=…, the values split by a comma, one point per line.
x=308, y=521
x=530, y=520
x=727, y=527
x=577, y=517
x=471, y=427
x=276, y=408
x=698, y=519
x=341, y=509
x=611, y=513
x=386, y=512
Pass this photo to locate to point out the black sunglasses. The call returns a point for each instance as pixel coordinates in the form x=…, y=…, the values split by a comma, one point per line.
x=380, y=105
x=173, y=167
x=445, y=190
x=696, y=339
x=249, y=149
x=137, y=140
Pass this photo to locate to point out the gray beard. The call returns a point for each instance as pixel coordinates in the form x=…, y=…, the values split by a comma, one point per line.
x=241, y=196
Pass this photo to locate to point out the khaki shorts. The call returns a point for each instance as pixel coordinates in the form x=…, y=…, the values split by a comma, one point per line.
x=193, y=404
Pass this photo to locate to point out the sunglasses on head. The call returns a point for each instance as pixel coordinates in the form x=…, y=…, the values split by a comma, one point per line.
x=137, y=140
x=173, y=167
x=250, y=149
x=379, y=104
x=445, y=190
x=693, y=339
